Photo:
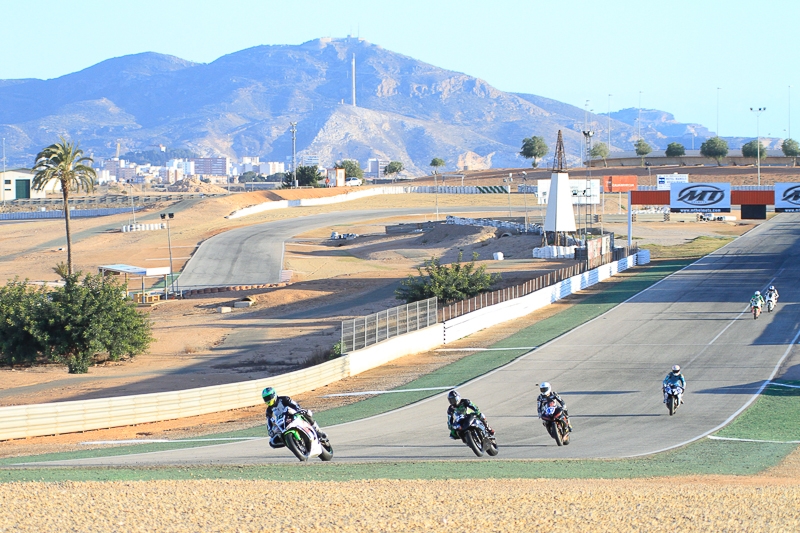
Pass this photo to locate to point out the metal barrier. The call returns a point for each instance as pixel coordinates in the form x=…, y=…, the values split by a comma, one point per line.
x=365, y=331
x=486, y=299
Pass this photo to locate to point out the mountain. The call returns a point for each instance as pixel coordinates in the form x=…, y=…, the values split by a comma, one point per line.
x=242, y=104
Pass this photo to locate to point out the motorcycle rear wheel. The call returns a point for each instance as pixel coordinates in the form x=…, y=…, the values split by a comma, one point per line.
x=474, y=441
x=298, y=448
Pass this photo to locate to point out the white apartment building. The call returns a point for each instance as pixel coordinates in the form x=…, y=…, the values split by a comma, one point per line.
x=375, y=167
x=271, y=167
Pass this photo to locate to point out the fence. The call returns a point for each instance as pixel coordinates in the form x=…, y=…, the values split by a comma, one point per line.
x=58, y=213
x=365, y=331
x=486, y=299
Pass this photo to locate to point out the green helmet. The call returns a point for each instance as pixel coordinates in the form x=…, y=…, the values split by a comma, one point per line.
x=269, y=396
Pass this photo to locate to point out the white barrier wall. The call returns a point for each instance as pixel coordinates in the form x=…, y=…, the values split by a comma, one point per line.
x=460, y=327
x=21, y=421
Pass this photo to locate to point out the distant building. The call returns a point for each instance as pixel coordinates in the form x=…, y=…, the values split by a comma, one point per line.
x=250, y=160
x=305, y=160
x=375, y=167
x=18, y=184
x=271, y=167
x=212, y=166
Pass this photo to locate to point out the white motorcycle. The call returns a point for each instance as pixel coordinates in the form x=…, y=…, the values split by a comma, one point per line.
x=301, y=438
x=771, y=301
x=673, y=393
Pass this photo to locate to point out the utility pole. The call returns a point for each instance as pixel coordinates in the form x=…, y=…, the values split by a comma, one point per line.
x=294, y=154
x=718, y=88
x=3, y=181
x=758, y=139
x=354, y=80
x=639, y=121
x=609, y=121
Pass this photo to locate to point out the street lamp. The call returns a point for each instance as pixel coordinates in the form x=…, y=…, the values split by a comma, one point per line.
x=525, y=197
x=588, y=134
x=168, y=217
x=133, y=209
x=718, y=89
x=509, y=180
x=436, y=190
x=758, y=139
x=294, y=154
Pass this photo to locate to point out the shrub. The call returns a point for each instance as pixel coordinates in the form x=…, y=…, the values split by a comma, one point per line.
x=449, y=283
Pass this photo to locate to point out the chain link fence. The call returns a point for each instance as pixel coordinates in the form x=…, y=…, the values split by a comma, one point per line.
x=368, y=330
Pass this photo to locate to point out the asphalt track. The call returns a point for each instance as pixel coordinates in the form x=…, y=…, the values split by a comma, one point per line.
x=253, y=255
x=609, y=371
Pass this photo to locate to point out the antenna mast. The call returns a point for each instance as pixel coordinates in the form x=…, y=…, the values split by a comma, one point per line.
x=560, y=160
x=354, y=80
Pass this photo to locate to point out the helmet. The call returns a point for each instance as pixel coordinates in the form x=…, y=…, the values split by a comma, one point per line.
x=676, y=369
x=772, y=287
x=453, y=397
x=269, y=396
x=758, y=293
x=545, y=388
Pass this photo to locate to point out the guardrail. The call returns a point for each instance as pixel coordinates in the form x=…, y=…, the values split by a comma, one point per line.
x=365, y=331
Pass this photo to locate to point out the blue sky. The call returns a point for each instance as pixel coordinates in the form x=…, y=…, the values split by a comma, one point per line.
x=676, y=53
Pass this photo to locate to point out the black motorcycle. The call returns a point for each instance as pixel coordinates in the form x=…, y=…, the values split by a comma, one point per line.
x=472, y=431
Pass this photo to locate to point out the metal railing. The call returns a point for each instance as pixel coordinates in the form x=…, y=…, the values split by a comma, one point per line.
x=486, y=299
x=365, y=331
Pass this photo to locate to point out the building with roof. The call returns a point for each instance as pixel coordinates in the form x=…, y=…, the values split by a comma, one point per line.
x=18, y=184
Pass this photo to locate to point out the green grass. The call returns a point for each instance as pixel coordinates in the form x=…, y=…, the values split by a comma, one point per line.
x=773, y=416
x=696, y=248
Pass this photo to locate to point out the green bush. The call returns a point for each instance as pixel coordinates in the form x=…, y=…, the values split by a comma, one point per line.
x=449, y=283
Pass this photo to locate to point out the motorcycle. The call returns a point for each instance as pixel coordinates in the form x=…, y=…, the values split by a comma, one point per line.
x=755, y=308
x=555, y=420
x=673, y=393
x=771, y=301
x=472, y=431
x=301, y=438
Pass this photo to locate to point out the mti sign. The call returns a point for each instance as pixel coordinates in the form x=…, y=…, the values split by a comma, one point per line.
x=700, y=198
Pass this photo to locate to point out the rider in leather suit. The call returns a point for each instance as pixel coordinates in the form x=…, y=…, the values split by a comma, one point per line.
x=546, y=395
x=276, y=406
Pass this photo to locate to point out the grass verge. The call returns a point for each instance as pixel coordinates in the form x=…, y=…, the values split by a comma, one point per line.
x=697, y=247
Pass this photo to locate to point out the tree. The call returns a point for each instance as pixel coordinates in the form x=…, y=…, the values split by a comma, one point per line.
x=89, y=316
x=250, y=176
x=714, y=148
x=642, y=149
x=64, y=163
x=791, y=148
x=351, y=168
x=600, y=150
x=306, y=177
x=534, y=148
x=436, y=163
x=21, y=311
x=393, y=168
x=448, y=283
x=675, y=150
x=754, y=150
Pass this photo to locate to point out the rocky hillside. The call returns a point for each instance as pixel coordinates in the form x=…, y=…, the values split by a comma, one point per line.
x=243, y=103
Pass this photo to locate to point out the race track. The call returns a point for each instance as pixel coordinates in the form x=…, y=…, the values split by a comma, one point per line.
x=253, y=255
x=609, y=371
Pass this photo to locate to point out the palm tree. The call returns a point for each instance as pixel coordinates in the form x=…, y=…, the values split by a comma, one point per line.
x=64, y=162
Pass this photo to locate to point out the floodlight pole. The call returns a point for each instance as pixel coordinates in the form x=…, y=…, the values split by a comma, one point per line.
x=758, y=140
x=294, y=153
x=3, y=181
x=525, y=197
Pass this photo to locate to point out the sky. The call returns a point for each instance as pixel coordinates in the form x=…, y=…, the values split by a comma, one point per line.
x=706, y=61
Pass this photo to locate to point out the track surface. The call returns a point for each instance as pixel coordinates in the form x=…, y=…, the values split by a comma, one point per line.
x=609, y=371
x=253, y=255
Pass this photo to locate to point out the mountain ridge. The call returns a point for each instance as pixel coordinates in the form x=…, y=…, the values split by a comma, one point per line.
x=243, y=103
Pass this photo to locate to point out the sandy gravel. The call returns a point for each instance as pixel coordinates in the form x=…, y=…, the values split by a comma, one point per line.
x=759, y=504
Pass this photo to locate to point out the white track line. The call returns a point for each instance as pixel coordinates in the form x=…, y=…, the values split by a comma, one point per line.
x=368, y=392
x=150, y=441
x=485, y=349
x=784, y=385
x=756, y=440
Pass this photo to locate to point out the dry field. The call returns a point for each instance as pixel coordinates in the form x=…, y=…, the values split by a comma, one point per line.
x=764, y=503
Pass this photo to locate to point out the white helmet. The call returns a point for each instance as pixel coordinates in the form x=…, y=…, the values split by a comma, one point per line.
x=545, y=388
x=772, y=287
x=758, y=293
x=676, y=369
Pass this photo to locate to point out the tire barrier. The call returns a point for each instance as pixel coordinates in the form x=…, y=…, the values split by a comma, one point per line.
x=534, y=229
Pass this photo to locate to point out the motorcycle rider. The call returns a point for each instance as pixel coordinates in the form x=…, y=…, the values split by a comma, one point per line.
x=276, y=406
x=757, y=300
x=462, y=406
x=772, y=293
x=547, y=395
x=674, y=378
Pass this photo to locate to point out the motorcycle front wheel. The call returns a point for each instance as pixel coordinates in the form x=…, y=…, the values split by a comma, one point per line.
x=557, y=434
x=671, y=405
x=297, y=446
x=474, y=441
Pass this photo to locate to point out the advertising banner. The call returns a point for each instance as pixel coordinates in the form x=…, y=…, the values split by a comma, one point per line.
x=700, y=198
x=787, y=197
x=664, y=181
